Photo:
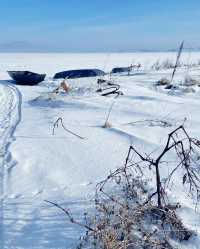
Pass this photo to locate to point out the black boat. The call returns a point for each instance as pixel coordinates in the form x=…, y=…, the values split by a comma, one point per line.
x=26, y=77
x=79, y=73
x=120, y=70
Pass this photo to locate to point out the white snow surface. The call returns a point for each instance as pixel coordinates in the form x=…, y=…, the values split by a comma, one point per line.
x=37, y=165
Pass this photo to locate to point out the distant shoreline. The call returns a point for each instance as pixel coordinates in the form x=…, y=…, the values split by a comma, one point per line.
x=98, y=52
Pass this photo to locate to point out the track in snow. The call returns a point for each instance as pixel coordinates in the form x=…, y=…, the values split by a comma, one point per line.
x=10, y=115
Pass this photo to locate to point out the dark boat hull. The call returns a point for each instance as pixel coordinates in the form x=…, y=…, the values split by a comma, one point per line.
x=120, y=70
x=80, y=73
x=26, y=77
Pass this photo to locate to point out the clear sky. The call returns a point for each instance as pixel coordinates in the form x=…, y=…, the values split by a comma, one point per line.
x=98, y=25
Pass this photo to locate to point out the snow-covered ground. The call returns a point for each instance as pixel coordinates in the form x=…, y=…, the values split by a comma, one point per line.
x=36, y=165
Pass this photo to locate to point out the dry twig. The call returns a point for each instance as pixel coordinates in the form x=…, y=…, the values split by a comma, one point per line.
x=56, y=124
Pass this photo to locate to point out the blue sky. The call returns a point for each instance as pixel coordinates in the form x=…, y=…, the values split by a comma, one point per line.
x=103, y=25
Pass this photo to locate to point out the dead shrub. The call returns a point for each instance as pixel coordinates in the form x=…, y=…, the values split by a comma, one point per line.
x=126, y=214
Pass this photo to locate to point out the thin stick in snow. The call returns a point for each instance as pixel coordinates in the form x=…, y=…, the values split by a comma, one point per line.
x=109, y=112
x=63, y=126
x=177, y=60
x=71, y=219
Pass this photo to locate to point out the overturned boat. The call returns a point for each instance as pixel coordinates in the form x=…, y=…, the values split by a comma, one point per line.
x=79, y=73
x=26, y=77
x=121, y=70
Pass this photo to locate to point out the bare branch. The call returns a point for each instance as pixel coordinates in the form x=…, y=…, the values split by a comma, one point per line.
x=71, y=219
x=56, y=124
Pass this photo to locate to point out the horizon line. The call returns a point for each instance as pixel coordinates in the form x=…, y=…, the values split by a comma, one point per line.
x=103, y=51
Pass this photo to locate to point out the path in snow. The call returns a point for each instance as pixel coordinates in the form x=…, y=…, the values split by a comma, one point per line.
x=10, y=114
x=10, y=101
